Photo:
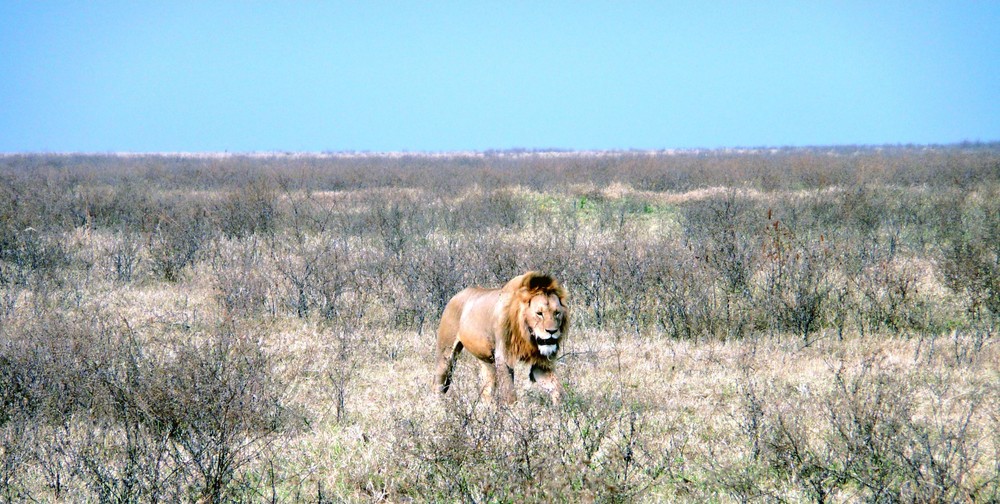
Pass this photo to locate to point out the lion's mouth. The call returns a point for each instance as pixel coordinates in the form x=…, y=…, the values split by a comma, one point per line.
x=547, y=350
x=547, y=345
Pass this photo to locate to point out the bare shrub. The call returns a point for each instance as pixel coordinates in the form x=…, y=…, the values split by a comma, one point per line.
x=176, y=241
x=395, y=222
x=943, y=449
x=616, y=279
x=125, y=205
x=252, y=209
x=865, y=209
x=124, y=256
x=110, y=421
x=220, y=405
x=10, y=297
x=47, y=376
x=725, y=233
x=27, y=253
x=889, y=298
x=590, y=282
x=869, y=439
x=491, y=258
x=342, y=368
x=490, y=209
x=187, y=425
x=967, y=344
x=598, y=449
x=687, y=297
x=971, y=262
x=47, y=367
x=15, y=450
x=796, y=289
x=725, y=230
x=430, y=273
x=815, y=469
x=242, y=279
x=613, y=215
x=317, y=269
x=868, y=410
x=969, y=271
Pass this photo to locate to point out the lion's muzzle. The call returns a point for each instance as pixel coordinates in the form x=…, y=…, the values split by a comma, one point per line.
x=548, y=344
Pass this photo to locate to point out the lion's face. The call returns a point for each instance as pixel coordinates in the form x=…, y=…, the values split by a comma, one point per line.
x=544, y=318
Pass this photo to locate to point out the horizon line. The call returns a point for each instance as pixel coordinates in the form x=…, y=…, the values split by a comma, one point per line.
x=515, y=152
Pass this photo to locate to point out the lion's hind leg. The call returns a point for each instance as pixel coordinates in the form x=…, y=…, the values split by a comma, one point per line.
x=447, y=356
x=449, y=345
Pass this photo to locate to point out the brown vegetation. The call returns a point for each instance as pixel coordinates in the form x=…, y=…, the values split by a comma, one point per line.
x=797, y=324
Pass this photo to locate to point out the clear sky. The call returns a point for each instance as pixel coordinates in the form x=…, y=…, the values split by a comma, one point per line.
x=142, y=76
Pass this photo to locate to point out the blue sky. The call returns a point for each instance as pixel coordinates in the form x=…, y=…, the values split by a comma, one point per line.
x=146, y=76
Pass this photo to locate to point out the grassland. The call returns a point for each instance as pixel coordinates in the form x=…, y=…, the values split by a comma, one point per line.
x=766, y=325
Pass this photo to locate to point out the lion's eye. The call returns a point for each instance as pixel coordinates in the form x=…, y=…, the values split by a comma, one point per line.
x=539, y=314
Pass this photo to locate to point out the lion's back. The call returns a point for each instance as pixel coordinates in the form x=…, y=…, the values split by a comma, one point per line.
x=475, y=305
x=470, y=305
x=469, y=317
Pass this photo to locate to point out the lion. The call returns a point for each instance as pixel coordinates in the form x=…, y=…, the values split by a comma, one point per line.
x=524, y=321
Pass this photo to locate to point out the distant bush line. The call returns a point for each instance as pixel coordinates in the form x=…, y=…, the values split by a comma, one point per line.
x=793, y=241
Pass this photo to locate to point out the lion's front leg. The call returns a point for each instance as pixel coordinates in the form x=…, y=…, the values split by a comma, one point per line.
x=487, y=380
x=505, y=384
x=504, y=391
x=546, y=379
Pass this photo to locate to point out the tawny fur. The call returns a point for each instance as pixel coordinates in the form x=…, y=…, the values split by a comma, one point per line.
x=495, y=325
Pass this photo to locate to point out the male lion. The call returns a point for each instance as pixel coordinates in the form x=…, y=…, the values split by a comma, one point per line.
x=524, y=321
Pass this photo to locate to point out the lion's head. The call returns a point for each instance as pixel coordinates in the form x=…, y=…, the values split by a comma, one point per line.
x=537, y=317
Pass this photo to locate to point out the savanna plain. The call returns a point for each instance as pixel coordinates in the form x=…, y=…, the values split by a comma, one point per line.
x=800, y=325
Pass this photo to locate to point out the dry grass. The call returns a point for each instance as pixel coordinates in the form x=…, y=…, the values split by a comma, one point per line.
x=690, y=398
